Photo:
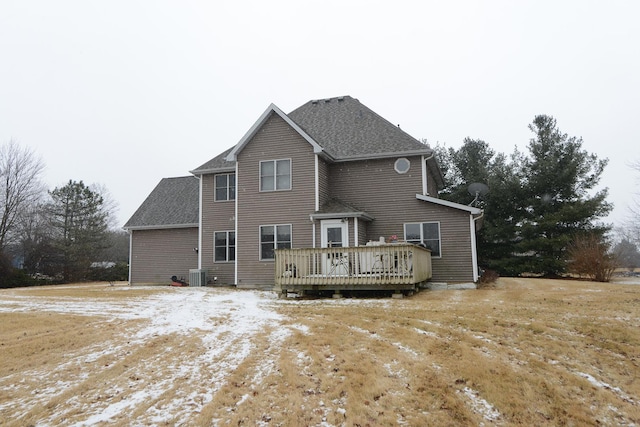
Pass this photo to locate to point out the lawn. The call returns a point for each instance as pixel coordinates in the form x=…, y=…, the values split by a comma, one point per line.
x=523, y=352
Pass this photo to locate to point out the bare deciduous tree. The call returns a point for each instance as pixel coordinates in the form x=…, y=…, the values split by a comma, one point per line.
x=632, y=226
x=590, y=256
x=20, y=185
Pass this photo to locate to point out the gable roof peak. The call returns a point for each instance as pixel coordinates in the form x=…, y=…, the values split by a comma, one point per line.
x=271, y=109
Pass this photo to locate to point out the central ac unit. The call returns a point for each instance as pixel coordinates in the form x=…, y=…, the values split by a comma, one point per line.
x=197, y=277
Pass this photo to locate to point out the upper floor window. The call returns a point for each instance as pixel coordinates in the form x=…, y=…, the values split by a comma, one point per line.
x=224, y=243
x=274, y=237
x=225, y=186
x=402, y=165
x=275, y=175
x=426, y=233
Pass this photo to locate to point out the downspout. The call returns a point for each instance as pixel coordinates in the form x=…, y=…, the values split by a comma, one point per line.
x=317, y=184
x=425, y=189
x=130, y=253
x=317, y=199
x=474, y=247
x=235, y=229
x=199, y=252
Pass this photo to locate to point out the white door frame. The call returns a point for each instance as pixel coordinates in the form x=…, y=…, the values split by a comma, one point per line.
x=334, y=263
x=327, y=223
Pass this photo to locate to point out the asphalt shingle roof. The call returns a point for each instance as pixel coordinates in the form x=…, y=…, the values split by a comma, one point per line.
x=174, y=202
x=218, y=163
x=342, y=126
x=347, y=129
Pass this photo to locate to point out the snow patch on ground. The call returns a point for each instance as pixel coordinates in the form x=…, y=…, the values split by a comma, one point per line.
x=600, y=384
x=481, y=406
x=244, y=314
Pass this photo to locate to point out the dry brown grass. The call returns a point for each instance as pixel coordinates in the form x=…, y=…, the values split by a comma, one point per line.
x=525, y=352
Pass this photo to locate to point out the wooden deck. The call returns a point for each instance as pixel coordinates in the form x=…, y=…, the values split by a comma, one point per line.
x=391, y=267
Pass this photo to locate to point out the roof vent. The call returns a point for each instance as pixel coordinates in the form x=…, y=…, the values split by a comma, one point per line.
x=340, y=98
x=314, y=101
x=328, y=100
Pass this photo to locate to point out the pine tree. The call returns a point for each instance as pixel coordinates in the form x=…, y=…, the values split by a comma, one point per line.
x=475, y=161
x=79, y=221
x=558, y=201
x=537, y=203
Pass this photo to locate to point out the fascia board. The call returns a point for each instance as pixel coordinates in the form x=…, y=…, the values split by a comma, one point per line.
x=384, y=155
x=470, y=209
x=159, y=227
x=231, y=157
x=361, y=215
x=212, y=170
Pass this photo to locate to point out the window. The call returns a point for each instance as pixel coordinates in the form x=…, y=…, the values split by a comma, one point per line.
x=224, y=244
x=426, y=233
x=274, y=237
x=402, y=165
x=275, y=175
x=225, y=187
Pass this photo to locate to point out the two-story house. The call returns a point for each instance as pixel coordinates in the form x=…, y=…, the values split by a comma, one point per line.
x=330, y=173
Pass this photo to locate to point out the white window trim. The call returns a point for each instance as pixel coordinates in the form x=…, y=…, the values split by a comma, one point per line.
x=275, y=239
x=404, y=227
x=227, y=247
x=215, y=188
x=395, y=165
x=275, y=176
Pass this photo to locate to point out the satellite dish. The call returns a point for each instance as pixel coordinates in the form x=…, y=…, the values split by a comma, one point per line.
x=477, y=190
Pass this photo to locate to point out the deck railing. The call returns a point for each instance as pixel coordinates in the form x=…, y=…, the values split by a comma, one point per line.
x=389, y=266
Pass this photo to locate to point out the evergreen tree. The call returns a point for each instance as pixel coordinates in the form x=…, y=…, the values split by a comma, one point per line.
x=475, y=161
x=471, y=163
x=627, y=254
x=559, y=178
x=536, y=205
x=79, y=222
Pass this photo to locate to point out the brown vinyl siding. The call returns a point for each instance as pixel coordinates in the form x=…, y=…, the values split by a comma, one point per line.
x=432, y=189
x=375, y=187
x=275, y=140
x=156, y=255
x=323, y=181
x=216, y=216
x=362, y=231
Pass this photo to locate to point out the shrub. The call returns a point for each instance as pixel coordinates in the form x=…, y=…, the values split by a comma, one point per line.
x=488, y=278
x=115, y=273
x=590, y=257
x=11, y=277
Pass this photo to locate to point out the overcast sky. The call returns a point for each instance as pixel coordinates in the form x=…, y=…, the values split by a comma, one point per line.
x=124, y=93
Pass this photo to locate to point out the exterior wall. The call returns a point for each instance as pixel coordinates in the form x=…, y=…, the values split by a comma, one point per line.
x=275, y=140
x=375, y=187
x=432, y=187
x=156, y=255
x=216, y=216
x=362, y=231
x=323, y=181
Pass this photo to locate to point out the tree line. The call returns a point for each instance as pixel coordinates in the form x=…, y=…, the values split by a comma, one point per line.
x=543, y=212
x=61, y=235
